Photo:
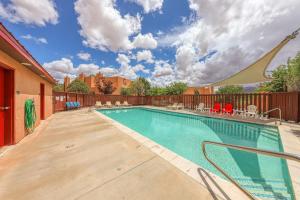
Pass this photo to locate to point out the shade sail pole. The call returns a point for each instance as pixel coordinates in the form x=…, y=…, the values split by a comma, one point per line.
x=256, y=72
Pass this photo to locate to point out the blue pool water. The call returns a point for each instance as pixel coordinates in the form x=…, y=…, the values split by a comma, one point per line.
x=265, y=177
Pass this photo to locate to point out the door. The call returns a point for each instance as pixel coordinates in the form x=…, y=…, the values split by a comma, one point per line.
x=6, y=106
x=42, y=101
x=2, y=111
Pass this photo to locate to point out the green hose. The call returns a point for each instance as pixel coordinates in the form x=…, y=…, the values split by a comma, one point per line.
x=30, y=115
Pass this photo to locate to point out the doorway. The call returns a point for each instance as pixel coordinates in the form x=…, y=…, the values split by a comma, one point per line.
x=42, y=101
x=6, y=106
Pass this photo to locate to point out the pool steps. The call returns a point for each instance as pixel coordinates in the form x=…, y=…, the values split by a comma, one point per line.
x=278, y=187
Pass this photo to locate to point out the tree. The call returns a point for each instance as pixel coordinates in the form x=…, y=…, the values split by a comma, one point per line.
x=125, y=91
x=196, y=92
x=58, y=87
x=230, y=89
x=279, y=82
x=293, y=73
x=155, y=91
x=176, y=88
x=140, y=87
x=105, y=86
x=78, y=86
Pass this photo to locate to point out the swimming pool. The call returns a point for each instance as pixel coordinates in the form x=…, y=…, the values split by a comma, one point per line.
x=265, y=177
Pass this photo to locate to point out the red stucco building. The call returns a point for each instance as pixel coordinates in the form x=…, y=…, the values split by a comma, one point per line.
x=21, y=78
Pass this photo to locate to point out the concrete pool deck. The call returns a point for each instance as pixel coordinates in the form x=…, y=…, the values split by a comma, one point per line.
x=77, y=155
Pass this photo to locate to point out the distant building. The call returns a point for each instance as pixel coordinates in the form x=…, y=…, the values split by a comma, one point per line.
x=118, y=82
x=201, y=90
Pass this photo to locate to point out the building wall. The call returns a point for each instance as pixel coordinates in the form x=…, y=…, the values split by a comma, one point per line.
x=118, y=83
x=27, y=86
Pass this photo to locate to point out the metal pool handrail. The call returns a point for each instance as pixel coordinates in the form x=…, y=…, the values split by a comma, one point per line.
x=247, y=149
x=272, y=111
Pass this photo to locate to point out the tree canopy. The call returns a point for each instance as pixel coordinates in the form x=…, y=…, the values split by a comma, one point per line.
x=58, y=87
x=176, y=88
x=230, y=89
x=140, y=87
x=78, y=86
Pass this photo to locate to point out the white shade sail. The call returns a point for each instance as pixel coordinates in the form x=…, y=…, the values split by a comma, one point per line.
x=256, y=71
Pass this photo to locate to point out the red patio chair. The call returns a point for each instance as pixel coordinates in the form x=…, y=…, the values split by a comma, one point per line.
x=216, y=108
x=228, y=109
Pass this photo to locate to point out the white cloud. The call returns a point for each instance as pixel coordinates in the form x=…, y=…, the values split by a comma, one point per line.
x=127, y=72
x=144, y=55
x=38, y=40
x=103, y=27
x=163, y=74
x=88, y=69
x=60, y=68
x=162, y=68
x=108, y=71
x=123, y=59
x=34, y=12
x=140, y=68
x=150, y=5
x=241, y=32
x=65, y=67
x=146, y=41
x=84, y=56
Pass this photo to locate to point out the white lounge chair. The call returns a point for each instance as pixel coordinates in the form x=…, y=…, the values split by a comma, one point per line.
x=251, y=111
x=108, y=104
x=174, y=105
x=98, y=104
x=201, y=107
x=118, y=104
x=125, y=103
x=178, y=106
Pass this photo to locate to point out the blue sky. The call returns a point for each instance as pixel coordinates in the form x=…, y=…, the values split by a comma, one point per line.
x=163, y=40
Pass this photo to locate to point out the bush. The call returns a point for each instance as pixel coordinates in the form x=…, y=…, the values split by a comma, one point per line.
x=125, y=91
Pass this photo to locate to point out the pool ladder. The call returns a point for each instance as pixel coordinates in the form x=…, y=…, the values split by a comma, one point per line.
x=287, y=156
x=269, y=111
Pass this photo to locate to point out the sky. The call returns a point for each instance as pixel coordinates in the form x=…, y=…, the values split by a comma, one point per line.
x=194, y=41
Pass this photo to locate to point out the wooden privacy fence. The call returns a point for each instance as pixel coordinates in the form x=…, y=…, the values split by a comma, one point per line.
x=288, y=102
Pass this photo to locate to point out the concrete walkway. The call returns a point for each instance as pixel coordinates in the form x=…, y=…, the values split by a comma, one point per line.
x=77, y=155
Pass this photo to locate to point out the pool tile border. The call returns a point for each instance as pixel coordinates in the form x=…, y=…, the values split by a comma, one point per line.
x=186, y=166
